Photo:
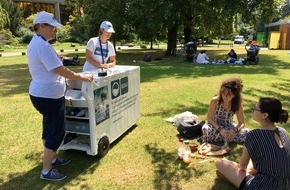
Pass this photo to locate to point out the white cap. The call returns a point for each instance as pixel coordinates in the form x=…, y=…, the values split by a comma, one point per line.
x=107, y=26
x=45, y=17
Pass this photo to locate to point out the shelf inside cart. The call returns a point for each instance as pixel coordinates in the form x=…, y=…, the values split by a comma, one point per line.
x=80, y=143
x=74, y=98
x=78, y=126
x=74, y=117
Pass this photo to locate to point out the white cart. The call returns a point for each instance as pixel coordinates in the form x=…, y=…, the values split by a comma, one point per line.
x=100, y=112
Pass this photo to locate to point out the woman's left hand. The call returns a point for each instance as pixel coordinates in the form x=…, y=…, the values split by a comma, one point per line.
x=224, y=133
x=231, y=135
x=111, y=65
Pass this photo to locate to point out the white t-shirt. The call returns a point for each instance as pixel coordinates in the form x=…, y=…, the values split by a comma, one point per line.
x=202, y=58
x=42, y=59
x=93, y=45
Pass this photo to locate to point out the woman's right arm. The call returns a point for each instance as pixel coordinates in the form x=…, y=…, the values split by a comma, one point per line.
x=210, y=113
x=67, y=73
x=210, y=118
x=206, y=57
x=250, y=169
x=244, y=159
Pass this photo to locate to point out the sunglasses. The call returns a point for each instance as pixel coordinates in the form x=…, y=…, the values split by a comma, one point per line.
x=53, y=28
x=255, y=109
x=227, y=92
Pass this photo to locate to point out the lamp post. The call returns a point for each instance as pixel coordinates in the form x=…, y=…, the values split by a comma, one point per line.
x=57, y=11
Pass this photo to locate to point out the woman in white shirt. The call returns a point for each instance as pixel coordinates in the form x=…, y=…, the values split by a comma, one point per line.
x=99, y=50
x=202, y=58
x=47, y=90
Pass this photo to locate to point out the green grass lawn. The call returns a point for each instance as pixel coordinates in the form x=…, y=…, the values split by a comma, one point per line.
x=145, y=157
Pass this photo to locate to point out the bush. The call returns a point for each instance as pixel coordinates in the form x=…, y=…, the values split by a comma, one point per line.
x=79, y=29
x=6, y=38
x=64, y=34
x=26, y=34
x=26, y=38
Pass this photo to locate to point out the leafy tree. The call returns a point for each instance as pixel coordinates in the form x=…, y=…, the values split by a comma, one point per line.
x=15, y=16
x=89, y=14
x=148, y=23
x=77, y=29
x=151, y=19
x=285, y=10
x=4, y=18
x=97, y=11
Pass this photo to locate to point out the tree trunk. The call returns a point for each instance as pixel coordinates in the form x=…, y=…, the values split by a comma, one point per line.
x=187, y=34
x=171, y=39
x=151, y=42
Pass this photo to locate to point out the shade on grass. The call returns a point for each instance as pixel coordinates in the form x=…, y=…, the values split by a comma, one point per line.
x=145, y=157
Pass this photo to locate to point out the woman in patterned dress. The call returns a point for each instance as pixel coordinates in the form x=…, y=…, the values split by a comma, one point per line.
x=222, y=108
x=265, y=160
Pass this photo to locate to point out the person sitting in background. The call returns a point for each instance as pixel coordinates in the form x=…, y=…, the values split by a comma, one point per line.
x=254, y=47
x=202, y=58
x=75, y=60
x=190, y=51
x=65, y=60
x=231, y=56
x=265, y=160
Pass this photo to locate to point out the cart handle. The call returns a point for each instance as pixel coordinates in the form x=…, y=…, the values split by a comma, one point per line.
x=88, y=92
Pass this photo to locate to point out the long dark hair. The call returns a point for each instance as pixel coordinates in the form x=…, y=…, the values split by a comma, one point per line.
x=273, y=107
x=236, y=86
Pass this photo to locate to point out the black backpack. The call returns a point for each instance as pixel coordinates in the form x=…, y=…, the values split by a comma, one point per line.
x=189, y=129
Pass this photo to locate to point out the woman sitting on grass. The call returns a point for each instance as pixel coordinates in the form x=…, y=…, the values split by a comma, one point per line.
x=265, y=160
x=232, y=57
x=202, y=58
x=222, y=108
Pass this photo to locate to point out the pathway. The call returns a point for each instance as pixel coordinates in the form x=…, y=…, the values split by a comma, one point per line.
x=6, y=54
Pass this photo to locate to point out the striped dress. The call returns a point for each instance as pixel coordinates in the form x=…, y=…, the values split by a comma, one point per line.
x=270, y=160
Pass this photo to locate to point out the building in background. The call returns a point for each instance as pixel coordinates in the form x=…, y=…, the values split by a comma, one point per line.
x=278, y=35
x=56, y=7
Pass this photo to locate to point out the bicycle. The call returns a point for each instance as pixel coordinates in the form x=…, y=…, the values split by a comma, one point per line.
x=179, y=52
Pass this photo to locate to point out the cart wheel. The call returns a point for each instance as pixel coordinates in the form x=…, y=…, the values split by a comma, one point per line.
x=69, y=137
x=103, y=147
